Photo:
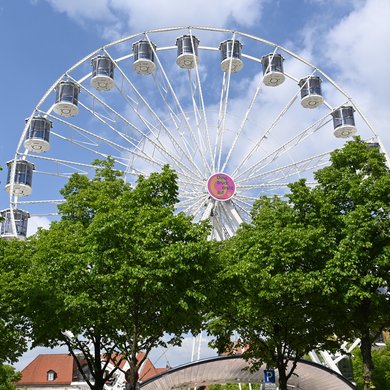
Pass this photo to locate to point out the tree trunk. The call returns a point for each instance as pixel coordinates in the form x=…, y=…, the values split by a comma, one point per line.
x=365, y=348
x=132, y=378
x=99, y=383
x=282, y=377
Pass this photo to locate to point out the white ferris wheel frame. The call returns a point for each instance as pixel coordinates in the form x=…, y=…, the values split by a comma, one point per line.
x=230, y=213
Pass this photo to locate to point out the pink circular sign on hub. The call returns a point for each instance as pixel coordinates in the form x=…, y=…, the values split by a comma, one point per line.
x=221, y=186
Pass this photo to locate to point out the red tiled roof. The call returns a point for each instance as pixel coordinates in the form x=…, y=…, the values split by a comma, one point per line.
x=147, y=370
x=36, y=372
x=62, y=364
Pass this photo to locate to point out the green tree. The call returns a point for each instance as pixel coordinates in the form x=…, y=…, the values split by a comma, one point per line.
x=13, y=327
x=8, y=377
x=120, y=270
x=312, y=265
x=381, y=371
x=270, y=284
x=352, y=203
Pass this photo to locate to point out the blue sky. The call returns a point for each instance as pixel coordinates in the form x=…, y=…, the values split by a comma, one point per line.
x=41, y=39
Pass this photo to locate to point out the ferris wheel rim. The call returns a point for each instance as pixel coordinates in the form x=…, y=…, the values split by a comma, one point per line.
x=219, y=168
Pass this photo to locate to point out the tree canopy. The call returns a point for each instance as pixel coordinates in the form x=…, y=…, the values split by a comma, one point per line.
x=352, y=202
x=312, y=267
x=13, y=325
x=271, y=283
x=381, y=371
x=119, y=271
x=8, y=377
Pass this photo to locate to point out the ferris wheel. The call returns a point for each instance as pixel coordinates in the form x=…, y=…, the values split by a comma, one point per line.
x=236, y=117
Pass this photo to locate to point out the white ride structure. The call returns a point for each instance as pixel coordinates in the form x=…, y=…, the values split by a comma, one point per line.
x=235, y=115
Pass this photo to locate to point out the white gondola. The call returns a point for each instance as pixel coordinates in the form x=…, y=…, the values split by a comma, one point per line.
x=38, y=134
x=67, y=95
x=273, y=69
x=311, y=93
x=102, y=73
x=344, y=122
x=231, y=56
x=144, y=57
x=373, y=145
x=20, y=217
x=22, y=171
x=187, y=51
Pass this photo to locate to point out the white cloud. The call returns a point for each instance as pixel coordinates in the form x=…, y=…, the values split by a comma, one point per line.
x=356, y=45
x=121, y=16
x=93, y=10
x=174, y=356
x=37, y=222
x=356, y=49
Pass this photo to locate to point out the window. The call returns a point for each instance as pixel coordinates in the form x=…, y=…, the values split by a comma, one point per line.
x=51, y=375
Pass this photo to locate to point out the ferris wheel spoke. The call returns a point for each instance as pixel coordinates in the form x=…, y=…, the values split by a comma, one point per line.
x=176, y=120
x=202, y=112
x=196, y=206
x=286, y=171
x=265, y=185
x=118, y=147
x=268, y=159
x=75, y=166
x=247, y=200
x=119, y=159
x=81, y=145
x=134, y=102
x=192, y=184
x=191, y=200
x=189, y=196
x=200, y=118
x=242, y=207
x=145, y=136
x=178, y=105
x=223, y=107
x=190, y=149
x=266, y=134
x=47, y=203
x=64, y=162
x=260, y=84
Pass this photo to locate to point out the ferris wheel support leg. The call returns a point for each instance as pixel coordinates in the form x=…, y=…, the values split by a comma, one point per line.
x=326, y=360
x=314, y=357
x=234, y=213
x=208, y=211
x=329, y=361
x=332, y=361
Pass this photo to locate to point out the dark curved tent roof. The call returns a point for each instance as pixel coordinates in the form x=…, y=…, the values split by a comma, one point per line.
x=231, y=369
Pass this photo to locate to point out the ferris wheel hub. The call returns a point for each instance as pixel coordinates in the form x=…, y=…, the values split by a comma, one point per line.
x=221, y=186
